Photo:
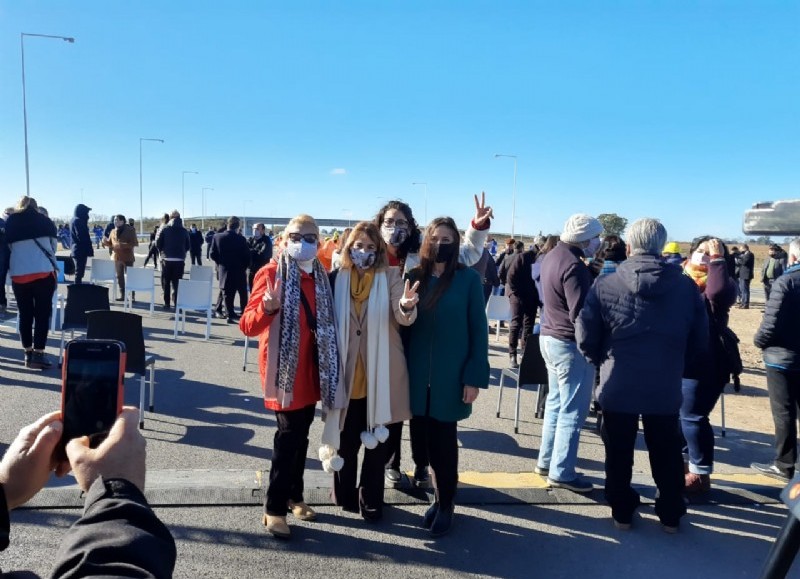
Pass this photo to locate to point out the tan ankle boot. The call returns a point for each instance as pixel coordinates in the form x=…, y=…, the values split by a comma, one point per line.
x=277, y=526
x=302, y=511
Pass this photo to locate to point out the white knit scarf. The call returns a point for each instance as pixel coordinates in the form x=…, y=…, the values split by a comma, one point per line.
x=379, y=410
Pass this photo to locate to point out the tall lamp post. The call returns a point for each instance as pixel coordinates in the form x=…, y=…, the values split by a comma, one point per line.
x=426, y=198
x=141, y=205
x=203, y=202
x=183, y=194
x=22, y=36
x=514, y=191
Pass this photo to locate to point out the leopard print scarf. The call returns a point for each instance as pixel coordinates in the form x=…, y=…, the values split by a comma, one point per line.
x=289, y=347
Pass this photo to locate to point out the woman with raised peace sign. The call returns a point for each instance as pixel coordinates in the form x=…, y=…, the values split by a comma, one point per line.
x=371, y=303
x=291, y=311
x=448, y=360
x=402, y=235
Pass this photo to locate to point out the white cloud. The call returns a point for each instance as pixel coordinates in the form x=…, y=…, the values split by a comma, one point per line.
x=338, y=171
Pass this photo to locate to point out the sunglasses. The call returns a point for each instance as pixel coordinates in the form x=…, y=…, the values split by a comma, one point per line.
x=308, y=237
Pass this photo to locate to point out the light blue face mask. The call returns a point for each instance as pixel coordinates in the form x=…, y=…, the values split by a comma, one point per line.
x=301, y=250
x=594, y=245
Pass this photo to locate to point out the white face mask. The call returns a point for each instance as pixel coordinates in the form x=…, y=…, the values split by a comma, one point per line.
x=700, y=258
x=301, y=250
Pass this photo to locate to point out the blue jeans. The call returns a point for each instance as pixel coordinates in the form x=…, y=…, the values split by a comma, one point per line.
x=571, y=378
x=744, y=291
x=699, y=399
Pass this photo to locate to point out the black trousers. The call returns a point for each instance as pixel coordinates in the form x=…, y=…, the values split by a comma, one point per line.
x=197, y=257
x=419, y=452
x=171, y=273
x=153, y=253
x=441, y=441
x=784, y=398
x=80, y=267
x=288, y=459
x=663, y=438
x=366, y=495
x=3, y=274
x=35, y=304
x=229, y=292
x=523, y=315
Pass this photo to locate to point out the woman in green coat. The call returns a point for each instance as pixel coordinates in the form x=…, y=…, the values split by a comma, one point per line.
x=448, y=359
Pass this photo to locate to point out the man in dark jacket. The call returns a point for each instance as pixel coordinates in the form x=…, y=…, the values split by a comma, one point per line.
x=487, y=269
x=641, y=369
x=209, y=238
x=745, y=262
x=82, y=248
x=773, y=268
x=565, y=281
x=172, y=241
x=524, y=298
x=779, y=337
x=196, y=245
x=260, y=251
x=118, y=534
x=107, y=236
x=230, y=252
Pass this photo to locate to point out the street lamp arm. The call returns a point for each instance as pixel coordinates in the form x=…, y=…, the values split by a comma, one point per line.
x=69, y=39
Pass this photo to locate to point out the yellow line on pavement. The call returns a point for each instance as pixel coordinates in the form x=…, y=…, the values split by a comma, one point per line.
x=502, y=480
x=747, y=479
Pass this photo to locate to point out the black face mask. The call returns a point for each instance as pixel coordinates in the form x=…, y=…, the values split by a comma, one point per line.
x=444, y=252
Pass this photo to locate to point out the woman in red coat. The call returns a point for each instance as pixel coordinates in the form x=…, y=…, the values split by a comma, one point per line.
x=291, y=311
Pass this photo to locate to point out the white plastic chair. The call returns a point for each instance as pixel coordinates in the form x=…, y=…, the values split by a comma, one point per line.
x=192, y=295
x=201, y=273
x=139, y=279
x=55, y=317
x=205, y=274
x=104, y=271
x=498, y=309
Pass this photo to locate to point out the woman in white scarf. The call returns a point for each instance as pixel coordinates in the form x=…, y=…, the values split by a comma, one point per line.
x=370, y=303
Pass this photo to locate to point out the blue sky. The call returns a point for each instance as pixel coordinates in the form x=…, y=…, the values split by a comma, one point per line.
x=685, y=110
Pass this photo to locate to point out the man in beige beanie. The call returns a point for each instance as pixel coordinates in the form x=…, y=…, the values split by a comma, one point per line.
x=565, y=281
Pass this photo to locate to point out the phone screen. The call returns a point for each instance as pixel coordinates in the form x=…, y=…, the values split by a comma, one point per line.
x=91, y=390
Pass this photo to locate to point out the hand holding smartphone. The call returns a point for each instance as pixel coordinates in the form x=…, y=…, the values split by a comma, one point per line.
x=91, y=389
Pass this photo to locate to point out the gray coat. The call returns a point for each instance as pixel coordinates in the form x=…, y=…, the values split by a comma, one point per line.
x=638, y=325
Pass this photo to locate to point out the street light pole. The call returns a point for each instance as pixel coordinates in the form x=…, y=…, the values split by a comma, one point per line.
x=141, y=204
x=203, y=203
x=514, y=191
x=22, y=36
x=426, y=198
x=183, y=194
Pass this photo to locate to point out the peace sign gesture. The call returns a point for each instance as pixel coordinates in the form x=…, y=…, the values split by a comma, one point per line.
x=482, y=213
x=410, y=297
x=271, y=302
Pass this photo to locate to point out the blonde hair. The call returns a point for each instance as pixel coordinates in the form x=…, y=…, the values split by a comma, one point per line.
x=26, y=202
x=301, y=220
x=371, y=230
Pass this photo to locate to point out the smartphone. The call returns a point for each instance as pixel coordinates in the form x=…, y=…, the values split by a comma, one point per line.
x=91, y=389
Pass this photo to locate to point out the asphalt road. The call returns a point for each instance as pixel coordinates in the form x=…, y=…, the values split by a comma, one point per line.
x=209, y=442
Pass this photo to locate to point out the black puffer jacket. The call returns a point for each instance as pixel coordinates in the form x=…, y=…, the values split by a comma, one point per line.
x=779, y=335
x=636, y=325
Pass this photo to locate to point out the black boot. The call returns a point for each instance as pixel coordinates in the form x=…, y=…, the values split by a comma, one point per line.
x=513, y=361
x=443, y=521
x=430, y=516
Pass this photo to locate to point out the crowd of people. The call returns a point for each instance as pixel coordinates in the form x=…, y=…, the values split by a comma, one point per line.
x=386, y=324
